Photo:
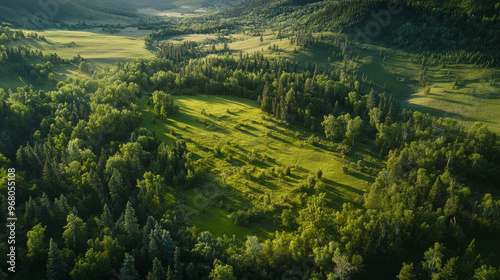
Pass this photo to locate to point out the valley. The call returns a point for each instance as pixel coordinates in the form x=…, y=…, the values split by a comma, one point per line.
x=252, y=139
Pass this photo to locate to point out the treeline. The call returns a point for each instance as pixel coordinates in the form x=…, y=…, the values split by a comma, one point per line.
x=34, y=65
x=7, y=34
x=81, y=147
x=419, y=27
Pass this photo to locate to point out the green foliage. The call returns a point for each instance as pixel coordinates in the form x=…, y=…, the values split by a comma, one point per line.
x=36, y=244
x=158, y=272
x=128, y=271
x=221, y=271
x=163, y=105
x=83, y=160
x=407, y=272
x=99, y=259
x=56, y=268
x=75, y=233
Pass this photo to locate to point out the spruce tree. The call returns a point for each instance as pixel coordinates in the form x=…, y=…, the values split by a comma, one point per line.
x=116, y=186
x=56, y=269
x=158, y=272
x=128, y=271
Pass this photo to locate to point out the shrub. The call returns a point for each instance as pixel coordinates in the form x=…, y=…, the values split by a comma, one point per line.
x=319, y=174
x=313, y=140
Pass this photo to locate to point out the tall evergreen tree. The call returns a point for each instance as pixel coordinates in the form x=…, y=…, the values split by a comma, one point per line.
x=158, y=272
x=116, y=187
x=128, y=271
x=177, y=264
x=56, y=269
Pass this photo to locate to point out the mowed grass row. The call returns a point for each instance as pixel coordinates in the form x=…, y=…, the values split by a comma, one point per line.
x=255, y=151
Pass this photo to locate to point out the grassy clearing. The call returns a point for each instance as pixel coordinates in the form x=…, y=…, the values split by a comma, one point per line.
x=99, y=49
x=475, y=99
x=180, y=12
x=255, y=150
x=96, y=47
x=11, y=80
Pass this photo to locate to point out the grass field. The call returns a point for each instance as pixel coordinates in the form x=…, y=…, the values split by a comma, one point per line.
x=475, y=99
x=99, y=49
x=255, y=150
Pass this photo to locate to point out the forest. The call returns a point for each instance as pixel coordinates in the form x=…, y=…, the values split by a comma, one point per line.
x=104, y=182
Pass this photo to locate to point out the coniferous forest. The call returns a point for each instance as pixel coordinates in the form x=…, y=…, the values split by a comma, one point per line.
x=251, y=139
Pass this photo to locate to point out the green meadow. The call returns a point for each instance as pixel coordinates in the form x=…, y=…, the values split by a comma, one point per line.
x=255, y=150
x=96, y=47
x=475, y=98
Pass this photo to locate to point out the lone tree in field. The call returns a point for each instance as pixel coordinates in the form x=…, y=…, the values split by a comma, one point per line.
x=163, y=105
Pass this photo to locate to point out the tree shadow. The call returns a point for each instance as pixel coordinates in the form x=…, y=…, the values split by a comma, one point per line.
x=246, y=132
x=343, y=186
x=440, y=113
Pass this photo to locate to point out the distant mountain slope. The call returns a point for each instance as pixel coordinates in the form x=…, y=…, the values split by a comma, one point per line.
x=23, y=12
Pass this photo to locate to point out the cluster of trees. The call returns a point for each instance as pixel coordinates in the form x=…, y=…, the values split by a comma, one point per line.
x=7, y=34
x=92, y=183
x=179, y=52
x=443, y=26
x=163, y=104
x=33, y=65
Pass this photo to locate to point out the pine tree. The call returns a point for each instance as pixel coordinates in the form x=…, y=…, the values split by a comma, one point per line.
x=158, y=272
x=449, y=270
x=371, y=102
x=116, y=186
x=107, y=218
x=177, y=265
x=56, y=269
x=128, y=271
x=131, y=225
x=170, y=275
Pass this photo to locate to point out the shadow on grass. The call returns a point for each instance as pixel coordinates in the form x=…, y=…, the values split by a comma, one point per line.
x=275, y=137
x=345, y=187
x=246, y=132
x=260, y=164
x=363, y=177
x=452, y=101
x=440, y=113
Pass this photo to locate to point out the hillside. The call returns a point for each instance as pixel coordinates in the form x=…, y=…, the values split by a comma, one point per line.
x=253, y=140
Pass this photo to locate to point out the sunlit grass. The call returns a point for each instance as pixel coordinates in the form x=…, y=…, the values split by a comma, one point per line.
x=258, y=143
